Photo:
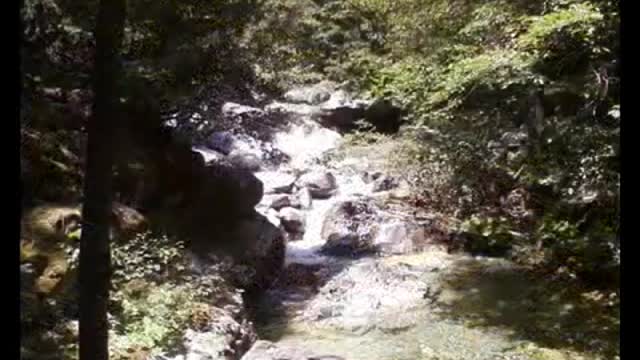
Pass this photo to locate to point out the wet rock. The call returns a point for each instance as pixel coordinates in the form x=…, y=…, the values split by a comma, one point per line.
x=276, y=182
x=514, y=140
x=321, y=184
x=312, y=95
x=292, y=219
x=209, y=155
x=369, y=177
x=349, y=228
x=369, y=295
x=299, y=275
x=249, y=162
x=221, y=142
x=384, y=183
x=276, y=201
x=243, y=150
x=263, y=249
x=231, y=109
x=342, y=117
x=227, y=336
x=227, y=190
x=399, y=237
x=265, y=350
x=127, y=220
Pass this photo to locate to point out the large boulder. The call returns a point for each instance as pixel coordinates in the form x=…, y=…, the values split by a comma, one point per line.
x=127, y=221
x=357, y=227
x=349, y=228
x=263, y=250
x=341, y=112
x=228, y=339
x=276, y=182
x=292, y=219
x=276, y=201
x=265, y=350
x=245, y=161
x=399, y=237
x=384, y=183
x=221, y=141
x=231, y=109
x=230, y=189
x=312, y=95
x=321, y=184
x=343, y=118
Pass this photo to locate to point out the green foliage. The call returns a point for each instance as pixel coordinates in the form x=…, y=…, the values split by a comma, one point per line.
x=146, y=256
x=152, y=317
x=491, y=235
x=578, y=20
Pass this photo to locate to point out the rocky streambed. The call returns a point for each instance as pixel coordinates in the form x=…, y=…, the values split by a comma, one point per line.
x=334, y=262
x=362, y=277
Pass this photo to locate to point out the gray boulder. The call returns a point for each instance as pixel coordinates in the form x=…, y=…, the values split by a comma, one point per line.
x=276, y=201
x=230, y=109
x=292, y=219
x=276, y=182
x=384, y=183
x=399, y=237
x=321, y=184
x=349, y=228
x=232, y=189
x=312, y=95
x=221, y=141
x=263, y=250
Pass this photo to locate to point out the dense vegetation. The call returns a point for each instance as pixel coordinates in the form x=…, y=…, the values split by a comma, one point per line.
x=488, y=77
x=511, y=134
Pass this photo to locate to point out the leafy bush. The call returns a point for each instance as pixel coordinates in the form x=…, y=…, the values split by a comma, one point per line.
x=153, y=317
x=147, y=256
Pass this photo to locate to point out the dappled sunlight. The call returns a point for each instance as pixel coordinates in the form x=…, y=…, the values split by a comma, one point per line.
x=500, y=295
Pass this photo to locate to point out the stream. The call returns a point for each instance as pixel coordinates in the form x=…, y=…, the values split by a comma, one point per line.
x=405, y=305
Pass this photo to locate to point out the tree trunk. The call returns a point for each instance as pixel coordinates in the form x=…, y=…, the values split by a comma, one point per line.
x=95, y=261
x=535, y=121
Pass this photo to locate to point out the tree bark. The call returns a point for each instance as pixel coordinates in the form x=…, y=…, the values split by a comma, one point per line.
x=95, y=260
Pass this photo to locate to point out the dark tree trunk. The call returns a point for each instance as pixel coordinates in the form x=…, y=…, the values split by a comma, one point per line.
x=95, y=261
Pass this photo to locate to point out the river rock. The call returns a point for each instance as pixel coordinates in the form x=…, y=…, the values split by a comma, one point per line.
x=231, y=190
x=384, y=183
x=245, y=161
x=399, y=237
x=292, y=219
x=263, y=249
x=312, y=95
x=321, y=184
x=127, y=220
x=367, y=295
x=220, y=141
x=265, y=350
x=276, y=182
x=349, y=228
x=342, y=117
x=276, y=201
x=231, y=109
